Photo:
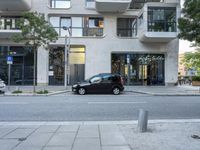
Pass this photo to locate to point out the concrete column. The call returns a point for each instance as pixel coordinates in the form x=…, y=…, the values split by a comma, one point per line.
x=42, y=66
x=171, y=63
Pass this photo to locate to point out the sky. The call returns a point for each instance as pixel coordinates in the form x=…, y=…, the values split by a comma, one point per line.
x=184, y=46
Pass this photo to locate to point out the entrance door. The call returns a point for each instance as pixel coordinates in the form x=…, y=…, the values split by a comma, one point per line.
x=77, y=72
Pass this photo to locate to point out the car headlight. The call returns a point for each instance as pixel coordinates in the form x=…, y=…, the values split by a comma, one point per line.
x=75, y=85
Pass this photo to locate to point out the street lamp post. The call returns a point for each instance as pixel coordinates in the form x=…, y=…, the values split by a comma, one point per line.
x=67, y=49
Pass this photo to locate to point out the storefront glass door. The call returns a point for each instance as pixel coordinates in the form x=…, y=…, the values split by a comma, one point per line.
x=139, y=69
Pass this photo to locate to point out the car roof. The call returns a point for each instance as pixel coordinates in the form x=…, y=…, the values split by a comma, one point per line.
x=103, y=74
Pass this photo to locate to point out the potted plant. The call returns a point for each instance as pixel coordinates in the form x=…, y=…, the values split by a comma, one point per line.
x=196, y=80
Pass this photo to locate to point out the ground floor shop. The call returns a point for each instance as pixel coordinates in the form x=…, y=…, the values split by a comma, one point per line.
x=137, y=68
x=22, y=68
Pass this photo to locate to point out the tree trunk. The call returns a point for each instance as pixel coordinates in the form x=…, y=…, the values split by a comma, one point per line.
x=34, y=69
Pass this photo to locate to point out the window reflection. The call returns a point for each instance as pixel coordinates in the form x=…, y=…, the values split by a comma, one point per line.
x=80, y=26
x=60, y=3
x=141, y=69
x=90, y=3
x=161, y=19
x=127, y=27
x=22, y=67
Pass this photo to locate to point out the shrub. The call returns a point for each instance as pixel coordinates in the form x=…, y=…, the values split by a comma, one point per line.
x=17, y=92
x=196, y=78
x=42, y=92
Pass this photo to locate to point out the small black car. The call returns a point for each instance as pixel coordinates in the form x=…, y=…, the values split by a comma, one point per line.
x=101, y=83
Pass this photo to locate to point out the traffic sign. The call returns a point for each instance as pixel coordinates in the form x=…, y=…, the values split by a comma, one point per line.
x=9, y=60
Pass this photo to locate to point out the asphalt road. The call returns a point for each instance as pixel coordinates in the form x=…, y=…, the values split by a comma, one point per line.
x=69, y=107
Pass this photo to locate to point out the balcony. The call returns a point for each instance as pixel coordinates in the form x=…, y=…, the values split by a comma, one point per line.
x=118, y=6
x=158, y=31
x=15, y=5
x=146, y=36
x=8, y=27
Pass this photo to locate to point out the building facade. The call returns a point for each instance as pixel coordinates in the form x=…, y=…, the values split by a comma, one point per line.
x=134, y=38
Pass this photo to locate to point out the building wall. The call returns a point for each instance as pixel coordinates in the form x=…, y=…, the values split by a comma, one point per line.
x=99, y=49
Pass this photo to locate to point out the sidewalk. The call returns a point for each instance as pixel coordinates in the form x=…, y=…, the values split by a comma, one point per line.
x=161, y=135
x=183, y=90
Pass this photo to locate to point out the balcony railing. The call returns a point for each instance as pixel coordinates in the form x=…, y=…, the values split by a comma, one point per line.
x=8, y=23
x=119, y=6
x=80, y=32
x=161, y=26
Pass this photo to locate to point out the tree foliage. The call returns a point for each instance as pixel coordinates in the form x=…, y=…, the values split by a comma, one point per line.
x=36, y=31
x=189, y=24
x=192, y=60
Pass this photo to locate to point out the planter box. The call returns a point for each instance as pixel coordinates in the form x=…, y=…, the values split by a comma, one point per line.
x=195, y=83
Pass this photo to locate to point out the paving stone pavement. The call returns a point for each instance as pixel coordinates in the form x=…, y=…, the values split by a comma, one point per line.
x=62, y=137
x=100, y=136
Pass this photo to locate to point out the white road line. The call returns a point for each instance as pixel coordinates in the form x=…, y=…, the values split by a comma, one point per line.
x=13, y=103
x=117, y=102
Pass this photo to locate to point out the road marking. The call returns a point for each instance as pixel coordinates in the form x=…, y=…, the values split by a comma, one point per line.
x=117, y=102
x=13, y=103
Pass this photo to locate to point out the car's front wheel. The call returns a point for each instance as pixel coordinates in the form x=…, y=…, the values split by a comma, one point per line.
x=81, y=91
x=116, y=91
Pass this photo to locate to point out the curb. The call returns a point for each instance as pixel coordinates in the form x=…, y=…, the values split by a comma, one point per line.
x=134, y=122
x=134, y=91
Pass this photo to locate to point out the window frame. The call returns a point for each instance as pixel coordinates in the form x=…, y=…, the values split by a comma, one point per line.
x=132, y=30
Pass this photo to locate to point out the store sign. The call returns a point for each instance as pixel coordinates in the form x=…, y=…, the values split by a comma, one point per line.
x=9, y=60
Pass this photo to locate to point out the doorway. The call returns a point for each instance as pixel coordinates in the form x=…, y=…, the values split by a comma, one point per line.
x=76, y=65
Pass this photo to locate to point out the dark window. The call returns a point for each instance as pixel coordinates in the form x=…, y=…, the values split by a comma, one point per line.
x=126, y=27
x=162, y=19
x=141, y=69
x=22, y=67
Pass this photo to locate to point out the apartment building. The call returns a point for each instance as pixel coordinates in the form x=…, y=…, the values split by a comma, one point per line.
x=134, y=38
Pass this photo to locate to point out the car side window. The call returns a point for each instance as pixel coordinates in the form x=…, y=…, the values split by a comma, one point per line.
x=107, y=79
x=114, y=79
x=96, y=79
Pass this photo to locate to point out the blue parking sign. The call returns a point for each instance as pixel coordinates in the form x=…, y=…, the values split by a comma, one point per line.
x=9, y=60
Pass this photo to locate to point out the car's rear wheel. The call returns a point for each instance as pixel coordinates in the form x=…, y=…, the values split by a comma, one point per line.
x=116, y=91
x=81, y=91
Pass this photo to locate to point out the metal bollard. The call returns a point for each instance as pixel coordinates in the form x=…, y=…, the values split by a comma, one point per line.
x=142, y=120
